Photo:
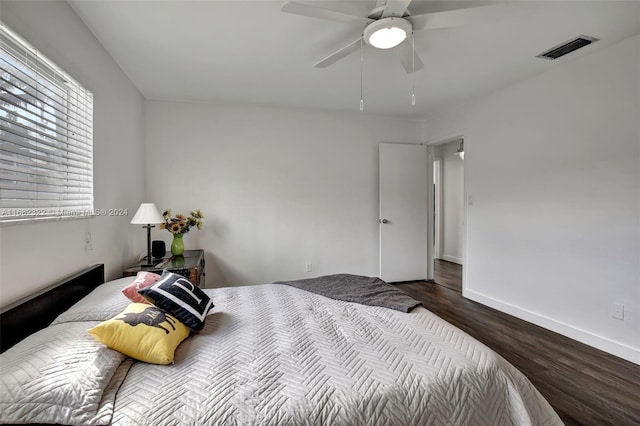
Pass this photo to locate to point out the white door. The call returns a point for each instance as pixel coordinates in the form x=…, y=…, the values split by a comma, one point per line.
x=403, y=212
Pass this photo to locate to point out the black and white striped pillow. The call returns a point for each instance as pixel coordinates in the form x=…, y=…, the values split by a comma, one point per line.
x=179, y=297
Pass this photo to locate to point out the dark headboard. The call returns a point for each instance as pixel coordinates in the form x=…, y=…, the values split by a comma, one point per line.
x=35, y=312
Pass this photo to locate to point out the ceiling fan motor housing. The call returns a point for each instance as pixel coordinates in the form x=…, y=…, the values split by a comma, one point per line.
x=398, y=29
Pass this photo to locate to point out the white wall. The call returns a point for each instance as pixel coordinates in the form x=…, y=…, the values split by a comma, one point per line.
x=33, y=256
x=553, y=166
x=279, y=188
x=452, y=214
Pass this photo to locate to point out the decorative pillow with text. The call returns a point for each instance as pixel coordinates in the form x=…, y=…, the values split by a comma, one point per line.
x=143, y=332
x=179, y=297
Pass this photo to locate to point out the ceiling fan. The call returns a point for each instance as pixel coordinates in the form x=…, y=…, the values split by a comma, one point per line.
x=387, y=26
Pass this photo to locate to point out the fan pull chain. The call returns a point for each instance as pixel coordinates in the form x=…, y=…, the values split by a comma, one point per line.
x=413, y=69
x=361, y=60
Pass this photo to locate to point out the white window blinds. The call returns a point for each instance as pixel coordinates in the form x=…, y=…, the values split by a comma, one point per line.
x=46, y=137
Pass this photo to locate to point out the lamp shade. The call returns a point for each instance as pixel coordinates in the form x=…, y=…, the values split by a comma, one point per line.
x=147, y=214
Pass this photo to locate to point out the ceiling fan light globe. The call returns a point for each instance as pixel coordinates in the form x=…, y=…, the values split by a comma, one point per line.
x=387, y=33
x=386, y=38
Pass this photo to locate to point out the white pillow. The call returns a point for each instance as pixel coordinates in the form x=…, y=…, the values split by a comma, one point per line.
x=101, y=304
x=61, y=375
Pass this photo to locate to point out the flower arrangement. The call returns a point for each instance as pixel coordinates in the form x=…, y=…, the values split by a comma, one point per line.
x=181, y=224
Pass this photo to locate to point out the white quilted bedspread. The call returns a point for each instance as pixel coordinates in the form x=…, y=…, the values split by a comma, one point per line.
x=277, y=355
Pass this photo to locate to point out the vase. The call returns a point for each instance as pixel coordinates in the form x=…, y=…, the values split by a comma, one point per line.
x=177, y=246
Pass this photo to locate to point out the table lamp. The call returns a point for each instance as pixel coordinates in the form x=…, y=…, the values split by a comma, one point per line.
x=147, y=215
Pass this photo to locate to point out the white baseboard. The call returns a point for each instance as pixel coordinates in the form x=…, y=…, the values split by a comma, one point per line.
x=615, y=348
x=453, y=259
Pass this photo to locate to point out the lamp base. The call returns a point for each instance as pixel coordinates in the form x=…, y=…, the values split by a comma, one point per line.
x=148, y=258
x=144, y=262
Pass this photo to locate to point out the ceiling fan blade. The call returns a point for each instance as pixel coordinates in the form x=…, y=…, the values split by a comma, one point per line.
x=395, y=8
x=405, y=53
x=452, y=18
x=320, y=12
x=336, y=56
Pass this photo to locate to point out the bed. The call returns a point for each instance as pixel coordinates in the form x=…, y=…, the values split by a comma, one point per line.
x=269, y=354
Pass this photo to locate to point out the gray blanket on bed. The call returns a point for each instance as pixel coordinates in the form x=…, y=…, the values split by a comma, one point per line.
x=370, y=291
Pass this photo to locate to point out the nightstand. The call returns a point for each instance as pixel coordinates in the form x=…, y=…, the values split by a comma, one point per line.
x=189, y=265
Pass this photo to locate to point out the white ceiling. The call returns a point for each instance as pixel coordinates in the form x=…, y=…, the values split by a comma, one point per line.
x=249, y=52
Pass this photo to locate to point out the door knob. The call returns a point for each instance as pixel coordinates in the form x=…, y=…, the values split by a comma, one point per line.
x=384, y=221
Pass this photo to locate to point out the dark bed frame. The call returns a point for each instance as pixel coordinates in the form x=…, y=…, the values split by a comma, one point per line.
x=37, y=311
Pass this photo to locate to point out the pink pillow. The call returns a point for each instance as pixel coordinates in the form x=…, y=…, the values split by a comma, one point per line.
x=143, y=280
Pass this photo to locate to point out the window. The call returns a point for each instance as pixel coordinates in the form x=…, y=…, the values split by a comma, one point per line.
x=46, y=137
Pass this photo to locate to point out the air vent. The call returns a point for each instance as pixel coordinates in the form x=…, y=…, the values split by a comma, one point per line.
x=567, y=47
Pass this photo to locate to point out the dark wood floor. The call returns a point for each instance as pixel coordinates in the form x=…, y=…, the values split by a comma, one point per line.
x=448, y=274
x=584, y=385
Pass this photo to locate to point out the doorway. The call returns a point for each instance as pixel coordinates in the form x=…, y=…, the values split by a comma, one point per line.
x=448, y=216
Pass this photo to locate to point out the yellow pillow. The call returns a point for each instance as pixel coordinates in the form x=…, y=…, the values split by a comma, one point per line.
x=143, y=332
